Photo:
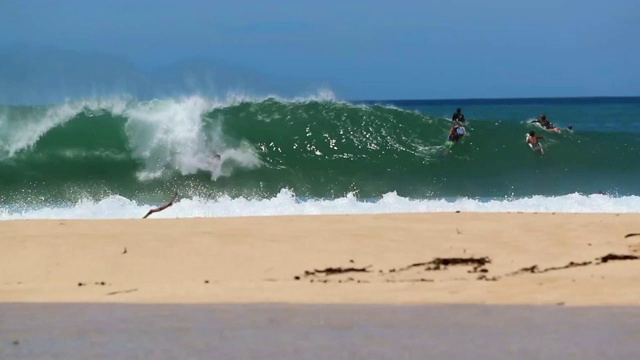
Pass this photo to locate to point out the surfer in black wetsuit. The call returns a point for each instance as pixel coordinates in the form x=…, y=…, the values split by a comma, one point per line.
x=458, y=116
x=542, y=120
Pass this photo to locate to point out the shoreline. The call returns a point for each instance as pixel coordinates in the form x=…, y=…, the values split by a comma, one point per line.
x=571, y=259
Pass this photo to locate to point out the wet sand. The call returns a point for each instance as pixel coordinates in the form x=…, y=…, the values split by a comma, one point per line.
x=476, y=258
x=268, y=331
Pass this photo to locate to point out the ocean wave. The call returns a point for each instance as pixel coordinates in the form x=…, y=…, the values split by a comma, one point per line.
x=317, y=146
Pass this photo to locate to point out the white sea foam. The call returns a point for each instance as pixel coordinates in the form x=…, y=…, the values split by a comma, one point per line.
x=286, y=203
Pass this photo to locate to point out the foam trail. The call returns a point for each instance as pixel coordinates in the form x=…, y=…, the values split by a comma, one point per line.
x=286, y=203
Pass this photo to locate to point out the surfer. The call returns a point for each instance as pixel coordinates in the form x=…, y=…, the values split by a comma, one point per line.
x=456, y=133
x=216, y=161
x=533, y=141
x=458, y=117
x=160, y=208
x=542, y=120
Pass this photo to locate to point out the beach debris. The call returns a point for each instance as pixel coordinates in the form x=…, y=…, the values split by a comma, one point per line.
x=16, y=342
x=601, y=260
x=124, y=251
x=531, y=269
x=632, y=234
x=409, y=280
x=81, y=284
x=122, y=292
x=613, y=257
x=486, y=278
x=206, y=281
x=101, y=283
x=536, y=270
x=442, y=263
x=336, y=270
x=351, y=261
x=477, y=265
x=571, y=264
x=160, y=208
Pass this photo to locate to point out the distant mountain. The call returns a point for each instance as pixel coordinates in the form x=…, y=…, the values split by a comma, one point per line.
x=31, y=74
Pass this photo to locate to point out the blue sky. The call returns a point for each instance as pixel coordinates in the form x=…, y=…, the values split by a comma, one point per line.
x=430, y=49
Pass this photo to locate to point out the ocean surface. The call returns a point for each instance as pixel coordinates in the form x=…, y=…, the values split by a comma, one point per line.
x=116, y=157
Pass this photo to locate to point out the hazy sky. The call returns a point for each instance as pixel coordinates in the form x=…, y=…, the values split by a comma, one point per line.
x=364, y=49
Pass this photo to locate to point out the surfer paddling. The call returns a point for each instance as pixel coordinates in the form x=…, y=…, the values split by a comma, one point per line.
x=456, y=133
x=546, y=124
x=158, y=209
x=533, y=141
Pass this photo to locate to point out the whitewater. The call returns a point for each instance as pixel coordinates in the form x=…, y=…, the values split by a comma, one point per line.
x=286, y=203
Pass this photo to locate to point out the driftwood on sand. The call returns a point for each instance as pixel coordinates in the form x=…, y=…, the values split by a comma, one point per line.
x=160, y=208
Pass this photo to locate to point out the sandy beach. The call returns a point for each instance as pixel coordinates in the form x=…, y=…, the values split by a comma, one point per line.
x=479, y=258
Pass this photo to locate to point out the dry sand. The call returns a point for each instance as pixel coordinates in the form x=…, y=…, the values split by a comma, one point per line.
x=274, y=259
